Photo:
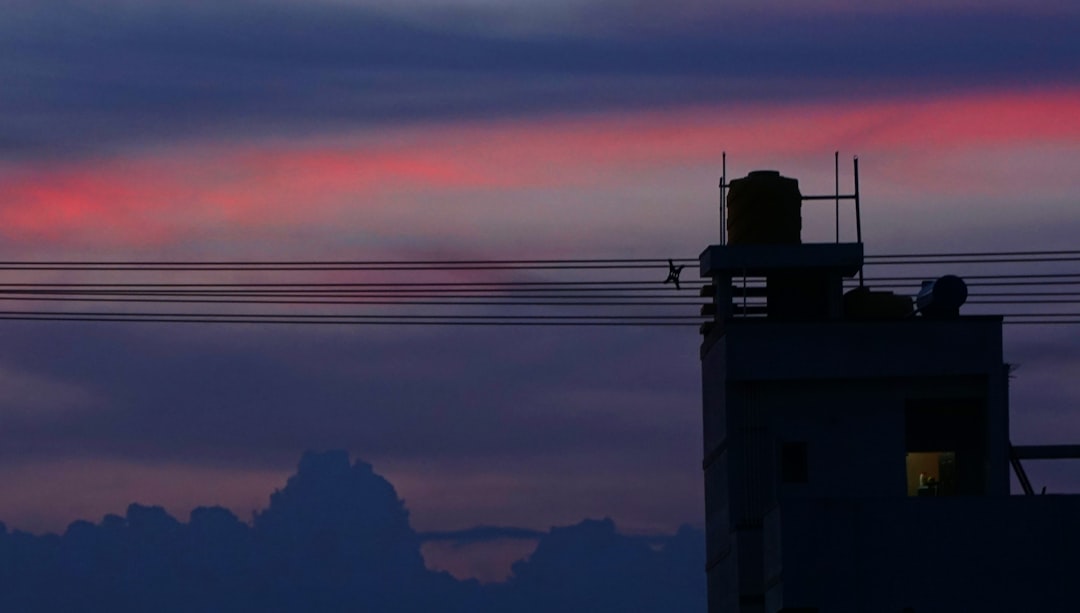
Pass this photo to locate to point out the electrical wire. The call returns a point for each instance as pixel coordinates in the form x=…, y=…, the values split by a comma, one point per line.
x=287, y=320
x=571, y=300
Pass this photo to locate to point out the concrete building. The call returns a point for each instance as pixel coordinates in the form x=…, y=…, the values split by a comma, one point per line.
x=856, y=448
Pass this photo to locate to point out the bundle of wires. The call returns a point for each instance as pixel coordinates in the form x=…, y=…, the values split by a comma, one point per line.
x=1030, y=287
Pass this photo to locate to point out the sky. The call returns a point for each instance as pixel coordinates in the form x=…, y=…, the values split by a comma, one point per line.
x=336, y=129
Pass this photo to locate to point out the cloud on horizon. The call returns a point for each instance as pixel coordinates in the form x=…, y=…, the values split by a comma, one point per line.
x=480, y=534
x=336, y=537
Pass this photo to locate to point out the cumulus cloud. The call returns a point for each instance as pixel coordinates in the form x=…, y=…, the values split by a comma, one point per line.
x=590, y=566
x=335, y=538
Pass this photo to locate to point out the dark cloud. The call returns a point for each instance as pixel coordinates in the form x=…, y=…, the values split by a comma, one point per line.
x=482, y=534
x=79, y=79
x=335, y=538
x=625, y=571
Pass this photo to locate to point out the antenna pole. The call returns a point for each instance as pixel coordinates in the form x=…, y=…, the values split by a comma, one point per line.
x=723, y=198
x=858, y=214
x=836, y=169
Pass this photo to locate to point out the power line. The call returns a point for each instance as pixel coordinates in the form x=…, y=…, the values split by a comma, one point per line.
x=400, y=322
x=325, y=284
x=305, y=316
x=427, y=293
x=979, y=254
x=566, y=262
x=344, y=265
x=347, y=301
x=433, y=322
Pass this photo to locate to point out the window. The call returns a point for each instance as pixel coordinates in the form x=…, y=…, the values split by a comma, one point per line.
x=945, y=446
x=931, y=473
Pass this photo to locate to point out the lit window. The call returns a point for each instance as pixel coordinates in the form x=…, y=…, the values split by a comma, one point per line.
x=931, y=473
x=945, y=444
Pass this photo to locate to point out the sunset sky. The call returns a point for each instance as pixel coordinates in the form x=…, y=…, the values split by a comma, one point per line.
x=475, y=129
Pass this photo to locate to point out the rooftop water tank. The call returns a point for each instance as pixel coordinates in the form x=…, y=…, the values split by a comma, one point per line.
x=764, y=208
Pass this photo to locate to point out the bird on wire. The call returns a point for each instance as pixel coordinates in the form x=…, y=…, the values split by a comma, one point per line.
x=673, y=273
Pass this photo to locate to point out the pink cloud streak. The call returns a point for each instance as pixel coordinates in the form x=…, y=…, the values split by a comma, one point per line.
x=394, y=182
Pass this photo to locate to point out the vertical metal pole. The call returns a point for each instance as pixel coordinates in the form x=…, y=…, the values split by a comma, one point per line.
x=723, y=198
x=836, y=169
x=744, y=292
x=721, y=186
x=858, y=214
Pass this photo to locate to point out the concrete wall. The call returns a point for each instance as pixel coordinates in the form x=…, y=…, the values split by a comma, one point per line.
x=932, y=555
x=842, y=388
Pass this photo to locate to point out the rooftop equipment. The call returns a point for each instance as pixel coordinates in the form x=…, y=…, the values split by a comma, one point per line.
x=942, y=299
x=764, y=268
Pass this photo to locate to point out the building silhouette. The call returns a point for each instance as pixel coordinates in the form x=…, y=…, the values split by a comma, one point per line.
x=856, y=444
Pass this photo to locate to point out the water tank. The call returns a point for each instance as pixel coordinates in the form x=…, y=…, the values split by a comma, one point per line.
x=764, y=208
